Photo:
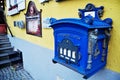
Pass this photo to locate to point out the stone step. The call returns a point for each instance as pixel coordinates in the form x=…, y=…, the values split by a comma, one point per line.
x=5, y=45
x=6, y=48
x=9, y=60
x=7, y=54
x=6, y=51
x=3, y=36
x=4, y=40
x=4, y=58
x=1, y=43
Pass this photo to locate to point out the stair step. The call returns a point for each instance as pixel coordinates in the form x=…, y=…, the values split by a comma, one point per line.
x=6, y=48
x=7, y=54
x=9, y=61
x=6, y=51
x=5, y=45
x=4, y=40
x=1, y=43
x=3, y=37
x=4, y=58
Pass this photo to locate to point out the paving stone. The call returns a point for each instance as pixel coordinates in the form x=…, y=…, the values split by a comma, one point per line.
x=9, y=73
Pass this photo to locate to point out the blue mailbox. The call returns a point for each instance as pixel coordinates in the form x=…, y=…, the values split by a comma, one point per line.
x=82, y=44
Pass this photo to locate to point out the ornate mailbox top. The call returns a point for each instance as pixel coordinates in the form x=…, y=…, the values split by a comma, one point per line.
x=89, y=18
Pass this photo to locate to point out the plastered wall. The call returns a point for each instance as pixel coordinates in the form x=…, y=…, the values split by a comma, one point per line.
x=69, y=9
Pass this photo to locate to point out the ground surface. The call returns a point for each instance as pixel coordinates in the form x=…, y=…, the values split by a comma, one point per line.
x=9, y=73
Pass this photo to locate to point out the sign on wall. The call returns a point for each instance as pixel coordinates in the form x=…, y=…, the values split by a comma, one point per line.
x=15, y=6
x=33, y=20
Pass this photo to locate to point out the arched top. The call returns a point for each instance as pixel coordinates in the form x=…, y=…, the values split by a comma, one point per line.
x=32, y=10
x=90, y=9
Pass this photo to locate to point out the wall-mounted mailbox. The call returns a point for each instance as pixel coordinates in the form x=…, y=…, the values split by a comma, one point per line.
x=82, y=44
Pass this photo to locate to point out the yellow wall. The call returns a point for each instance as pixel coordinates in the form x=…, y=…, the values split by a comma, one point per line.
x=69, y=8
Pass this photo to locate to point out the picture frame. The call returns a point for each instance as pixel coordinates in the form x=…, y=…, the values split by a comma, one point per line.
x=15, y=6
x=33, y=20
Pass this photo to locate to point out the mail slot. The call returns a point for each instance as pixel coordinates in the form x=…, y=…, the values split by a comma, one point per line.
x=81, y=43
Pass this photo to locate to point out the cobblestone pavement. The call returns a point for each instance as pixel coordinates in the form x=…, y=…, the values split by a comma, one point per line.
x=9, y=73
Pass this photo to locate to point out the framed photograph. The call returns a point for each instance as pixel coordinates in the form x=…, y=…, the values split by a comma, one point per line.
x=33, y=20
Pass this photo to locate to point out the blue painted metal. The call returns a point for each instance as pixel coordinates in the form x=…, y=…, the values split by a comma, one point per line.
x=82, y=44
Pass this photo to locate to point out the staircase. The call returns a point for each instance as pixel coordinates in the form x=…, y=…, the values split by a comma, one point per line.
x=8, y=57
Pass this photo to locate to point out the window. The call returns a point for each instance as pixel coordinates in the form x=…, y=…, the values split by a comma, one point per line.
x=15, y=6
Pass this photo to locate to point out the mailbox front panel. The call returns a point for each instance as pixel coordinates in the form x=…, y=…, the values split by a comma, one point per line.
x=71, y=47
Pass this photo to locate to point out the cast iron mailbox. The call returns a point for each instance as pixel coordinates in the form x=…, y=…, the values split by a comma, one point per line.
x=82, y=44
